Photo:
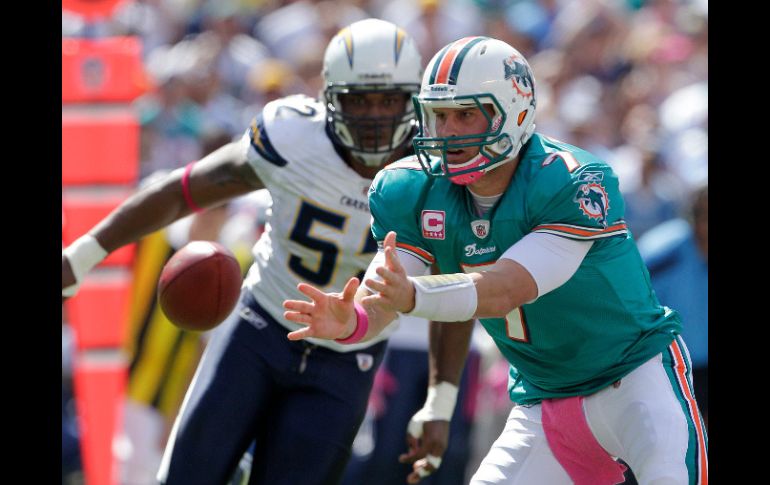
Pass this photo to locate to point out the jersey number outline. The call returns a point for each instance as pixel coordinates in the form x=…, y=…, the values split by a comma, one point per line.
x=308, y=215
x=569, y=160
x=515, y=322
x=306, y=109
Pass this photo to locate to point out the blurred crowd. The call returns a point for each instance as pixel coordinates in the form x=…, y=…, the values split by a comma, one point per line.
x=627, y=79
x=624, y=79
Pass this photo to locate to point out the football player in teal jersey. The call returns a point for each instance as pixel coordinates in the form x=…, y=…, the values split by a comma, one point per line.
x=527, y=234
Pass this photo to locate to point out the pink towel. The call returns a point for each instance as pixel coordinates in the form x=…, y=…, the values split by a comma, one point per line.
x=574, y=445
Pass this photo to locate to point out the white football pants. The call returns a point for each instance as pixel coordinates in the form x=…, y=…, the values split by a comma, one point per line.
x=650, y=421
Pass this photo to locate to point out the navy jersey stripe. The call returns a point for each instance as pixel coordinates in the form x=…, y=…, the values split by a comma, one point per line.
x=439, y=58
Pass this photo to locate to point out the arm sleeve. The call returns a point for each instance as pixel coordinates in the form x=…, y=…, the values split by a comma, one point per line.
x=267, y=145
x=550, y=259
x=255, y=158
x=412, y=265
x=259, y=149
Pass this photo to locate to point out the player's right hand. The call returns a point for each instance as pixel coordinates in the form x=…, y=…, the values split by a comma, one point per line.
x=395, y=292
x=328, y=316
x=426, y=441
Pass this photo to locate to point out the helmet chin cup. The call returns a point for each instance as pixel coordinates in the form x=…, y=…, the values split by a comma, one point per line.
x=370, y=159
x=470, y=177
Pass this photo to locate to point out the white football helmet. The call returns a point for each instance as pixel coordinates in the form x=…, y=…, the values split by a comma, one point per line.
x=371, y=55
x=469, y=72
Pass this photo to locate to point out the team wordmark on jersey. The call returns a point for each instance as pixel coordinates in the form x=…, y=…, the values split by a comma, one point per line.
x=433, y=224
x=480, y=228
x=593, y=201
x=472, y=250
x=354, y=203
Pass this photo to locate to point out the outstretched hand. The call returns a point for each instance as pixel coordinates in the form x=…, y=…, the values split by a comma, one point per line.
x=328, y=316
x=395, y=292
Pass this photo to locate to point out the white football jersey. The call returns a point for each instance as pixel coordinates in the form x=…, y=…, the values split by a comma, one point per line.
x=317, y=228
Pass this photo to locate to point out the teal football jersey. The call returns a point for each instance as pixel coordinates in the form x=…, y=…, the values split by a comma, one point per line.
x=586, y=334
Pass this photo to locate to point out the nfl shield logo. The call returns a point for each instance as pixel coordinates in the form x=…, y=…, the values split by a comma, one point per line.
x=365, y=361
x=480, y=228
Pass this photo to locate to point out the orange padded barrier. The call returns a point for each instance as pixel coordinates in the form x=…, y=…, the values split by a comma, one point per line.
x=99, y=148
x=92, y=9
x=83, y=211
x=99, y=387
x=102, y=70
x=98, y=312
x=100, y=167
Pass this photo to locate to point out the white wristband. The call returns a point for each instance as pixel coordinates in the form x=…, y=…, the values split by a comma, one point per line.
x=439, y=406
x=83, y=254
x=444, y=298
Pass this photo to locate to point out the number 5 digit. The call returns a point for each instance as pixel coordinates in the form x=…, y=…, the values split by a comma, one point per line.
x=323, y=273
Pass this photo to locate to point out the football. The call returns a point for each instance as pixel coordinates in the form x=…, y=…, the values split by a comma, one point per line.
x=199, y=285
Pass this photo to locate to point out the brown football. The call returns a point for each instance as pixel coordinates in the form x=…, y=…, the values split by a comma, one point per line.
x=199, y=286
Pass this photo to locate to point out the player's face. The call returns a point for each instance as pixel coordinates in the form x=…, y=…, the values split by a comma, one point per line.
x=460, y=122
x=373, y=115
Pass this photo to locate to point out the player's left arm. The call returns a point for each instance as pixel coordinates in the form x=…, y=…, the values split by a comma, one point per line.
x=535, y=265
x=569, y=208
x=450, y=297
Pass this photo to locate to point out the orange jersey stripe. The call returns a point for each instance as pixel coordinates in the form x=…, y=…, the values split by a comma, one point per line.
x=580, y=232
x=681, y=369
x=446, y=63
x=473, y=267
x=424, y=254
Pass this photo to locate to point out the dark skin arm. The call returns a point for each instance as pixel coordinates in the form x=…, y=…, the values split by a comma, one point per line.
x=448, y=349
x=218, y=177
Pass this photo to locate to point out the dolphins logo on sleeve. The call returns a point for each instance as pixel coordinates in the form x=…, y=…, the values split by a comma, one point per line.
x=593, y=200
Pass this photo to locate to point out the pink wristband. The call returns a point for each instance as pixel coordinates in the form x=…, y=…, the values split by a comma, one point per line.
x=362, y=325
x=186, y=188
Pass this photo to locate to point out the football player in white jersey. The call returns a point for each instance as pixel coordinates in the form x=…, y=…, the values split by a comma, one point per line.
x=300, y=402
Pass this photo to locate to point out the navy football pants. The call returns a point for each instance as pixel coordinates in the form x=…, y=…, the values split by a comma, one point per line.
x=409, y=370
x=302, y=404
